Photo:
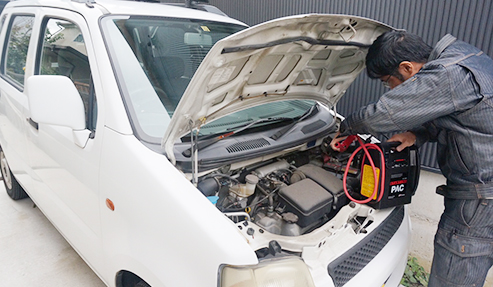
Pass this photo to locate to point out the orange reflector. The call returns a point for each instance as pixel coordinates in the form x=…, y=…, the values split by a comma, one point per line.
x=110, y=204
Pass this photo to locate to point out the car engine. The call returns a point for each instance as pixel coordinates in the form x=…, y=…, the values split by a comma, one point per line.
x=289, y=196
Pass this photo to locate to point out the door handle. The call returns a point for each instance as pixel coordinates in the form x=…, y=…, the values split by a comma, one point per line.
x=33, y=123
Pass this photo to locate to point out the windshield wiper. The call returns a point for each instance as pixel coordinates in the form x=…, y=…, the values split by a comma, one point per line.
x=247, y=125
x=205, y=143
x=313, y=110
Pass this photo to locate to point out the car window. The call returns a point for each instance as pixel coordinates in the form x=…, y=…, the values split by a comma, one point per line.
x=14, y=64
x=286, y=110
x=63, y=52
x=154, y=60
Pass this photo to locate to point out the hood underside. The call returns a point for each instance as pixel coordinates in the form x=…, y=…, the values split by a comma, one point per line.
x=311, y=56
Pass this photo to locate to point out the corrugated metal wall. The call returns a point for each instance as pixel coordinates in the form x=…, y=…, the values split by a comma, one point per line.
x=468, y=20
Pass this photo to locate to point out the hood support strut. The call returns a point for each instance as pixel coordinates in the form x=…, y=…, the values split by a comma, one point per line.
x=194, y=153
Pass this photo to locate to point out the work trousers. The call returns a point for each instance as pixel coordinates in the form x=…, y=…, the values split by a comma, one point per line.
x=463, y=244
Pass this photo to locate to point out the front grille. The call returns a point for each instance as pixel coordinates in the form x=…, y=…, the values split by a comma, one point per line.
x=350, y=263
x=247, y=145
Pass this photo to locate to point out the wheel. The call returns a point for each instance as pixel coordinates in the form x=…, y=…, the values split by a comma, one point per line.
x=14, y=189
x=128, y=279
x=142, y=283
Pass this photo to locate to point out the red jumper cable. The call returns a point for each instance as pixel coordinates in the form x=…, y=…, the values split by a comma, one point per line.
x=363, y=146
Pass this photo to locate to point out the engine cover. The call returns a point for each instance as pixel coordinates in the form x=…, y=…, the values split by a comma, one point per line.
x=307, y=199
x=325, y=179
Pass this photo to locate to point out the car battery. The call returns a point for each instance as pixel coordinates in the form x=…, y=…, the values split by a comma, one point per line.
x=401, y=175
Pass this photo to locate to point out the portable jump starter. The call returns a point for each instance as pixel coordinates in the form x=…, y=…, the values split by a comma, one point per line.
x=401, y=175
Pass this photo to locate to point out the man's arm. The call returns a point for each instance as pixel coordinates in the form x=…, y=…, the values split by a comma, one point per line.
x=420, y=99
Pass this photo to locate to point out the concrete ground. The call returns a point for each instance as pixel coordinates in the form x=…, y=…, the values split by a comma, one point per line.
x=33, y=253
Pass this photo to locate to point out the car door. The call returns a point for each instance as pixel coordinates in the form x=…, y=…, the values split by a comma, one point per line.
x=16, y=34
x=65, y=171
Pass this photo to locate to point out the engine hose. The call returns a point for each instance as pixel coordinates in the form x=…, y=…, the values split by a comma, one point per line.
x=365, y=146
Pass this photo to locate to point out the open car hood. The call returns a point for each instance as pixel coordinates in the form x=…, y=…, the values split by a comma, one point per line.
x=314, y=56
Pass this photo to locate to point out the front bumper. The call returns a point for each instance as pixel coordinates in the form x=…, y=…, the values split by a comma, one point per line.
x=336, y=256
x=377, y=260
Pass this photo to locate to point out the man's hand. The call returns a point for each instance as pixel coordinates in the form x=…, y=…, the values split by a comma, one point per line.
x=406, y=139
x=336, y=140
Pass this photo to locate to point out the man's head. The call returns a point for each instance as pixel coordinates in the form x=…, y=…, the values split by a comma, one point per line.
x=396, y=56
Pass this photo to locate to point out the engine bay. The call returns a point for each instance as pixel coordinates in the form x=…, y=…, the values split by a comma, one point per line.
x=289, y=195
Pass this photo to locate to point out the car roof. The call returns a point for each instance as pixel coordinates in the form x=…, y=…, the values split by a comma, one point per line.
x=122, y=7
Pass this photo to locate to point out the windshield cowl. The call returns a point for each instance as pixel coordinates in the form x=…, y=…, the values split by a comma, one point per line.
x=258, y=142
x=287, y=114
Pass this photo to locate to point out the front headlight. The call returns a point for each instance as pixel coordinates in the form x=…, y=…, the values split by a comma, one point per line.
x=287, y=272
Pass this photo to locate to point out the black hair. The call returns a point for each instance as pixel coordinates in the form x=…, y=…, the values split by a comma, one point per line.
x=392, y=48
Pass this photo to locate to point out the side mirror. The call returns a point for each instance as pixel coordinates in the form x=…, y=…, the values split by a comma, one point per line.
x=54, y=100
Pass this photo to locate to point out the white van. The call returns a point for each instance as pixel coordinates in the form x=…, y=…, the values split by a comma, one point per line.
x=178, y=147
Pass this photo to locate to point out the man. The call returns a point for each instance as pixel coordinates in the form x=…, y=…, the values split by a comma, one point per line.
x=444, y=94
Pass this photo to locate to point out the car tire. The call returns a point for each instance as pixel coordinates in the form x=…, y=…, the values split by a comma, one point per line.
x=142, y=283
x=14, y=189
x=128, y=279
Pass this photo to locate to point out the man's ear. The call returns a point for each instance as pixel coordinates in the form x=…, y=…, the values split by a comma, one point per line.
x=408, y=69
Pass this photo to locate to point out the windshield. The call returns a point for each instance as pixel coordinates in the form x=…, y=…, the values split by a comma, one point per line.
x=154, y=60
x=276, y=111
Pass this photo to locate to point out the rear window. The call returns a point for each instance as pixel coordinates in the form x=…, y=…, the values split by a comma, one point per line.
x=19, y=35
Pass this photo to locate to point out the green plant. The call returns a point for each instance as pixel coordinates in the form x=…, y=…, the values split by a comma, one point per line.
x=414, y=275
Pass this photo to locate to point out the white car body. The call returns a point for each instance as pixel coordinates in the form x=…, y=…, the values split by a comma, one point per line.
x=129, y=205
